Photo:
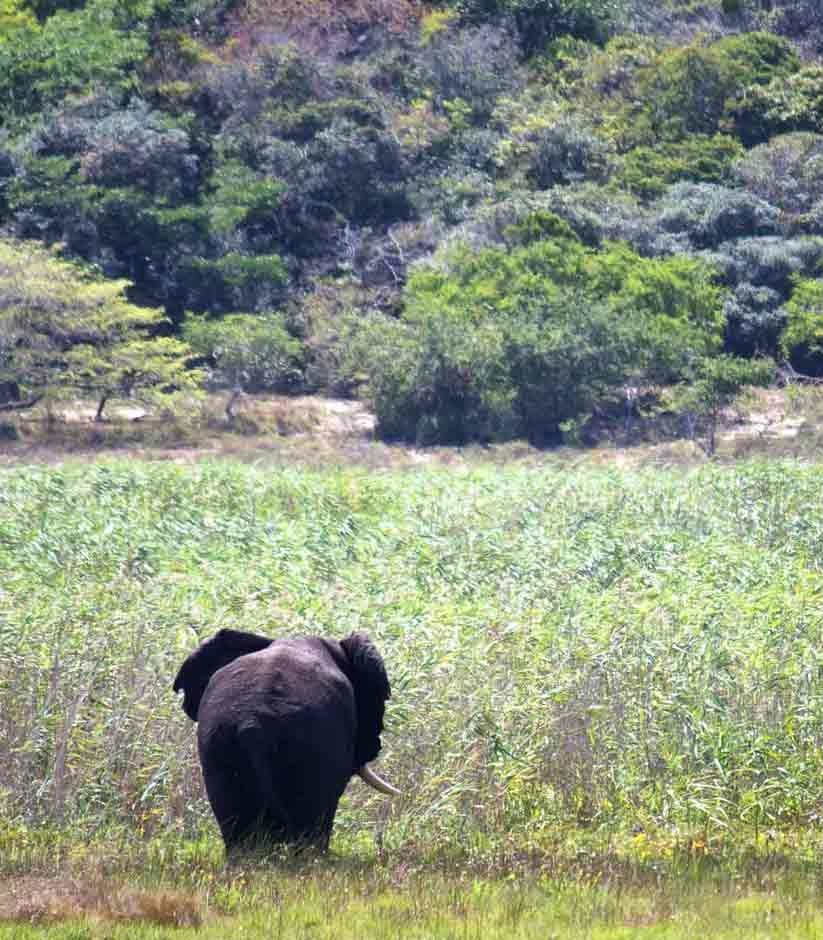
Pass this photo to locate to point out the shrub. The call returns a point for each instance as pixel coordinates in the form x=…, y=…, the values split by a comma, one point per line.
x=13, y=17
x=802, y=340
x=710, y=214
x=648, y=171
x=141, y=148
x=539, y=226
x=788, y=103
x=598, y=214
x=242, y=198
x=567, y=152
x=502, y=342
x=232, y=280
x=358, y=172
x=774, y=262
x=787, y=171
x=70, y=53
x=754, y=319
x=540, y=21
x=474, y=65
x=689, y=89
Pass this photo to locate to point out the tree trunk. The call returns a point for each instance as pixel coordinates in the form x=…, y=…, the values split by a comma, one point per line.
x=100, y=407
x=236, y=392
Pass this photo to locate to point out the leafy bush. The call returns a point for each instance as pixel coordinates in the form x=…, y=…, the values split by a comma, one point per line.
x=72, y=51
x=474, y=66
x=139, y=147
x=788, y=103
x=802, y=340
x=773, y=262
x=689, y=90
x=787, y=172
x=242, y=198
x=540, y=21
x=754, y=320
x=539, y=226
x=648, y=171
x=358, y=172
x=499, y=342
x=234, y=279
x=13, y=17
x=710, y=214
x=567, y=152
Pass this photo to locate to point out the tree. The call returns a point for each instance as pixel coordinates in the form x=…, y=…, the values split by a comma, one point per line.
x=247, y=353
x=715, y=383
x=65, y=332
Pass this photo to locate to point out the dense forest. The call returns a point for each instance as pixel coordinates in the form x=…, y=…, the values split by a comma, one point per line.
x=487, y=218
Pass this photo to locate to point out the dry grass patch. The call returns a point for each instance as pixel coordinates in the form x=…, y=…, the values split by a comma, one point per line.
x=36, y=900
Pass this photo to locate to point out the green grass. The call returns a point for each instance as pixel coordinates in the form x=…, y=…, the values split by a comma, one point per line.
x=607, y=711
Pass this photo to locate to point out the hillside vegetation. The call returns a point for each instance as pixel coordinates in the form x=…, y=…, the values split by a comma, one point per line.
x=487, y=218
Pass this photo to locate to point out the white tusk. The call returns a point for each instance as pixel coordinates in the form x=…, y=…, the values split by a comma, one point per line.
x=371, y=778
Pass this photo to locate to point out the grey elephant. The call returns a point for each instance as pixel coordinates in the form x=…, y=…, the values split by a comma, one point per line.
x=282, y=727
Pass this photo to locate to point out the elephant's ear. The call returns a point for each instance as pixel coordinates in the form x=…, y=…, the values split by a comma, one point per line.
x=371, y=689
x=212, y=654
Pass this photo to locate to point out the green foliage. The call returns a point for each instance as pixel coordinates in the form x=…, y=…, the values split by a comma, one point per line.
x=567, y=152
x=304, y=122
x=789, y=102
x=234, y=279
x=802, y=339
x=65, y=333
x=787, y=171
x=539, y=226
x=692, y=89
x=507, y=342
x=252, y=353
x=755, y=318
x=13, y=17
x=540, y=21
x=241, y=197
x=711, y=215
x=70, y=53
x=434, y=23
x=649, y=171
x=220, y=163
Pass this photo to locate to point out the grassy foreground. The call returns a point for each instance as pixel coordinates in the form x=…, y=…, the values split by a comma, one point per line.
x=607, y=709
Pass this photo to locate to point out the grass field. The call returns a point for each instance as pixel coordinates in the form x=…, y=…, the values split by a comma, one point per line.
x=607, y=712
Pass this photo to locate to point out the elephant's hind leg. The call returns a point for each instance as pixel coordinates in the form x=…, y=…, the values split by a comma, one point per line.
x=236, y=807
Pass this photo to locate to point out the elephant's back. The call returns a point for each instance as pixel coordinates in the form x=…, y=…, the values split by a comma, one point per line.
x=296, y=685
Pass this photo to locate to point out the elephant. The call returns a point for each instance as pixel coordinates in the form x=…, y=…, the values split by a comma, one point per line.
x=282, y=726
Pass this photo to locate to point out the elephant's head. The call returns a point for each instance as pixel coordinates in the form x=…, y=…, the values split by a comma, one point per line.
x=212, y=654
x=371, y=689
